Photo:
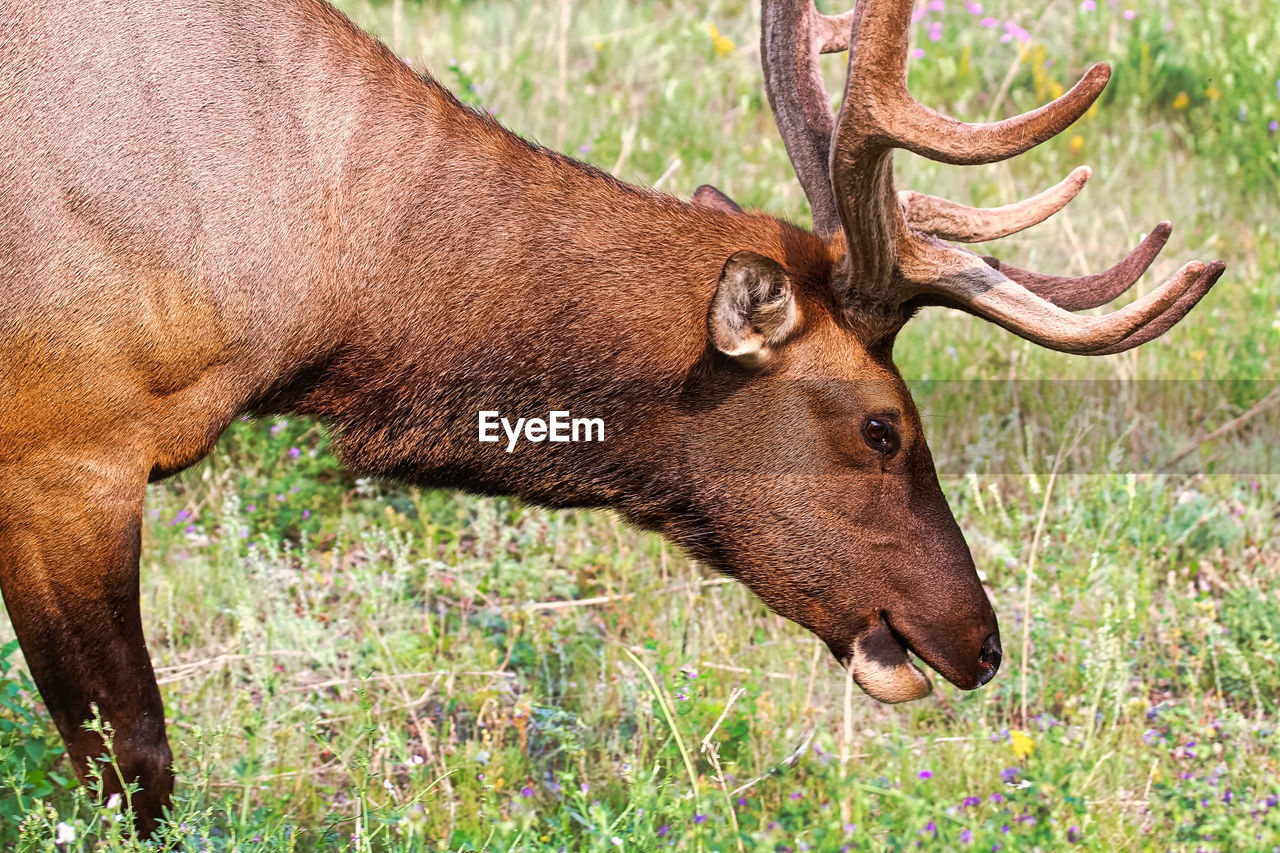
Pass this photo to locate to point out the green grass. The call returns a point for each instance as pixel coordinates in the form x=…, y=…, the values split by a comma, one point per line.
x=351, y=665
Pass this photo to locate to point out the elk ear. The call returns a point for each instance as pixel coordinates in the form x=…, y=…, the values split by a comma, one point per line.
x=708, y=196
x=753, y=310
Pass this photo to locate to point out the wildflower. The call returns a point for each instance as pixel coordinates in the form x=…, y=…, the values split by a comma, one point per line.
x=1009, y=775
x=742, y=801
x=585, y=148
x=276, y=429
x=526, y=791
x=918, y=52
x=966, y=837
x=1181, y=101
x=251, y=508
x=416, y=760
x=1152, y=737
x=615, y=841
x=937, y=5
x=1212, y=93
x=699, y=818
x=1130, y=14
x=1088, y=6
x=931, y=826
x=969, y=802
x=1073, y=835
x=926, y=774
x=1273, y=126
x=1022, y=744
x=663, y=830
x=294, y=453
x=989, y=22
x=935, y=31
x=306, y=513
x=64, y=833
x=974, y=8
x=720, y=43
x=183, y=515
x=996, y=798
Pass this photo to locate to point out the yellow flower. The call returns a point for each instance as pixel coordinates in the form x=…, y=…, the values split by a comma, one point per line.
x=1212, y=93
x=1182, y=101
x=598, y=46
x=1077, y=144
x=1199, y=355
x=722, y=44
x=1022, y=744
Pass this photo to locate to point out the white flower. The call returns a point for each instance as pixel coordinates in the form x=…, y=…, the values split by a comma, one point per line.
x=64, y=833
x=113, y=802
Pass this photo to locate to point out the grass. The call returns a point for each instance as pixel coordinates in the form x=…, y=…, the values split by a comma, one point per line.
x=353, y=666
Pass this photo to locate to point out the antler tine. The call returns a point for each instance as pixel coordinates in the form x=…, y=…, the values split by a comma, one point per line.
x=948, y=220
x=1169, y=318
x=793, y=34
x=984, y=291
x=1090, y=291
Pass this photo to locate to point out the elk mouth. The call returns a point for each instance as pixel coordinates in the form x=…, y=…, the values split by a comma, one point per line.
x=881, y=665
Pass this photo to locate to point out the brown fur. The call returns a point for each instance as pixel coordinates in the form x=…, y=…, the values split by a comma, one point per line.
x=208, y=209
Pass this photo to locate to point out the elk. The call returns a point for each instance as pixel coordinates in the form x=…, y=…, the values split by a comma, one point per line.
x=211, y=209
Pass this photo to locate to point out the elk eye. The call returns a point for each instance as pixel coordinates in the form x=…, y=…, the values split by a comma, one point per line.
x=881, y=435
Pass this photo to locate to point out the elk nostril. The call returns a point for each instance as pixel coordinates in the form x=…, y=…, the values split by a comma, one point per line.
x=989, y=658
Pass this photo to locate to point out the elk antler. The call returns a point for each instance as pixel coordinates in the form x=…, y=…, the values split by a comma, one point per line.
x=895, y=254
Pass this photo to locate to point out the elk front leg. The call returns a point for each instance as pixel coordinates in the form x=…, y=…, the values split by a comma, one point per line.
x=69, y=543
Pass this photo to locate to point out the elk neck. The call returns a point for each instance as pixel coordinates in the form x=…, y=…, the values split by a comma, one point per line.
x=477, y=271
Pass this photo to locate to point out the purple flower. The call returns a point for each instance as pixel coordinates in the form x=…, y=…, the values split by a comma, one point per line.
x=990, y=23
x=699, y=818
x=251, y=508
x=974, y=8
x=918, y=53
x=1273, y=126
x=526, y=791
x=795, y=795
x=1273, y=801
x=584, y=149
x=926, y=774
x=742, y=801
x=281, y=498
x=294, y=453
x=966, y=837
x=931, y=827
x=997, y=798
x=1073, y=835
x=1088, y=6
x=1009, y=775
x=663, y=830
x=969, y=802
x=1130, y=14
x=306, y=513
x=183, y=515
x=937, y=5
x=935, y=31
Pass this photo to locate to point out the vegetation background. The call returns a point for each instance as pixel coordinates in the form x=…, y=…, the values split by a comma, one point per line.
x=353, y=665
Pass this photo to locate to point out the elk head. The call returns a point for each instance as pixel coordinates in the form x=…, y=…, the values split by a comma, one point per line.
x=851, y=535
